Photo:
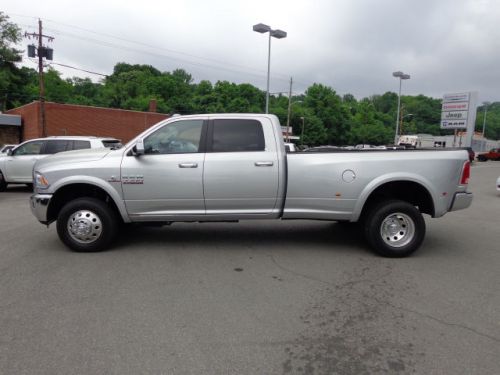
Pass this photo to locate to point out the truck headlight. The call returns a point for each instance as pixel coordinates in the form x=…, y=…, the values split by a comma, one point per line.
x=40, y=181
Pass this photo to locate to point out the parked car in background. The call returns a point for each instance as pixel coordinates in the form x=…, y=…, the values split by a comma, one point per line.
x=493, y=154
x=16, y=167
x=5, y=148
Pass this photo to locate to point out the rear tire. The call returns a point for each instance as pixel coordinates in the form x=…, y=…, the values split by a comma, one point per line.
x=394, y=228
x=87, y=225
x=3, y=183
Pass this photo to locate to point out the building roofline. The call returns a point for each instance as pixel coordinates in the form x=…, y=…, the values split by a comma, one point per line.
x=89, y=106
x=24, y=105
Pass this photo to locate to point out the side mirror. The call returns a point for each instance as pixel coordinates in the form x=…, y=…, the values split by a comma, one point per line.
x=9, y=152
x=139, y=147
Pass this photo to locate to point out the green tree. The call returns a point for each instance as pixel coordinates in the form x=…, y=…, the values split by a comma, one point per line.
x=10, y=79
x=327, y=106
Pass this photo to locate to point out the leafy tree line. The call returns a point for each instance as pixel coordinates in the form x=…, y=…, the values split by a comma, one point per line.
x=328, y=117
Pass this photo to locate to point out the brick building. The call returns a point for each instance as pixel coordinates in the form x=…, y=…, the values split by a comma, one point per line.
x=71, y=119
x=10, y=129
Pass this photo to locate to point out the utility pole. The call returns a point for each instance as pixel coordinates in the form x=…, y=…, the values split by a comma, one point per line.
x=289, y=111
x=42, y=52
x=40, y=74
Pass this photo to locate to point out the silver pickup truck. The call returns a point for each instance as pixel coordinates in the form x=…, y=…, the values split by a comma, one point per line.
x=230, y=167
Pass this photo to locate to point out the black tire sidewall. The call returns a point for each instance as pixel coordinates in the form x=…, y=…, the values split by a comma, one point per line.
x=3, y=183
x=375, y=219
x=108, y=218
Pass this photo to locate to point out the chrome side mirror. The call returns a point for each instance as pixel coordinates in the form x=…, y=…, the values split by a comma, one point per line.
x=139, y=147
x=9, y=152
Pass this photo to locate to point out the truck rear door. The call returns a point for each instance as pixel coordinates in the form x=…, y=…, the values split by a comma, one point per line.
x=241, y=172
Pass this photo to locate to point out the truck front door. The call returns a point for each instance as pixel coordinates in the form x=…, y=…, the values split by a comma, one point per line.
x=241, y=167
x=168, y=179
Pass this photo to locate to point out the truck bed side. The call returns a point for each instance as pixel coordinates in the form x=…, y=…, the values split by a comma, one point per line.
x=335, y=186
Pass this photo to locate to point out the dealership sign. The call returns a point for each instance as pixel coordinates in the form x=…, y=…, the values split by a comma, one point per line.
x=459, y=112
x=455, y=110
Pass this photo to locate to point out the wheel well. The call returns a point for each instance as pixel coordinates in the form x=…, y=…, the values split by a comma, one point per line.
x=408, y=191
x=73, y=191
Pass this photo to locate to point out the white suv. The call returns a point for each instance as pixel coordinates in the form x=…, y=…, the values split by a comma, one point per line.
x=17, y=165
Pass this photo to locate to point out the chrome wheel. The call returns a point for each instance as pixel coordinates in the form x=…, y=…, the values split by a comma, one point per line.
x=397, y=229
x=84, y=226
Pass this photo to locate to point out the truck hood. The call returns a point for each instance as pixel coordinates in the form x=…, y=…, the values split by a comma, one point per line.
x=73, y=156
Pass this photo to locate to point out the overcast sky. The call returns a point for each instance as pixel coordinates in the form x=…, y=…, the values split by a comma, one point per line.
x=351, y=45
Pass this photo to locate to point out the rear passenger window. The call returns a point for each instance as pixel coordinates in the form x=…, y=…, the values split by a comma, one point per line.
x=237, y=136
x=115, y=145
x=80, y=145
x=55, y=146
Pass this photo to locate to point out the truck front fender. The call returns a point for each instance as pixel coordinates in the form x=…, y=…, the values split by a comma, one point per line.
x=114, y=191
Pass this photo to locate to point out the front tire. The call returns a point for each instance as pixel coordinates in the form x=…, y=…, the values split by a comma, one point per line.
x=394, y=228
x=87, y=225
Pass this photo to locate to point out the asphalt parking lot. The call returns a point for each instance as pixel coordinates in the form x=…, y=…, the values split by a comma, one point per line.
x=293, y=297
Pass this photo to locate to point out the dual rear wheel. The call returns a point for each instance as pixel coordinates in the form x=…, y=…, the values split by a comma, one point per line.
x=394, y=228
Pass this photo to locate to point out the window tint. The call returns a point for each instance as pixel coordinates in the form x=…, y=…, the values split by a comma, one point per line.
x=30, y=148
x=80, y=145
x=237, y=135
x=114, y=144
x=175, y=138
x=55, y=146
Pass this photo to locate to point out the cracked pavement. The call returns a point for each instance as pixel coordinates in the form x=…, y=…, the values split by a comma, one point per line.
x=295, y=297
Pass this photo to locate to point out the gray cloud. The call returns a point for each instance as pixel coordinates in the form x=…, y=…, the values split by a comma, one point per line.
x=353, y=46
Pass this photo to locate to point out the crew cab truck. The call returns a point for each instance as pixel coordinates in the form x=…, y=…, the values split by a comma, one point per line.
x=230, y=167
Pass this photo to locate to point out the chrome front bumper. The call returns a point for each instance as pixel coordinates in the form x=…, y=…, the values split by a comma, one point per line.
x=461, y=201
x=39, y=204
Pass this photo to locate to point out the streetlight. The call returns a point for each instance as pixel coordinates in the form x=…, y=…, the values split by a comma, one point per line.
x=401, y=76
x=278, y=34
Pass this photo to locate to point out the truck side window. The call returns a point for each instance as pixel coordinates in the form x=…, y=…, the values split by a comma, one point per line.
x=237, y=135
x=175, y=138
x=30, y=148
x=55, y=146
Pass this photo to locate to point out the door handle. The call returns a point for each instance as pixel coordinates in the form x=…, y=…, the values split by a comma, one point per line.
x=188, y=165
x=264, y=163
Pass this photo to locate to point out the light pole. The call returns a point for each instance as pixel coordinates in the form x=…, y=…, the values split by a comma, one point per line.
x=278, y=34
x=485, y=104
x=401, y=76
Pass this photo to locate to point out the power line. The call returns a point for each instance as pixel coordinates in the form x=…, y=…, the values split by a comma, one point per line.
x=83, y=70
x=278, y=76
x=126, y=48
x=158, y=47
x=108, y=44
